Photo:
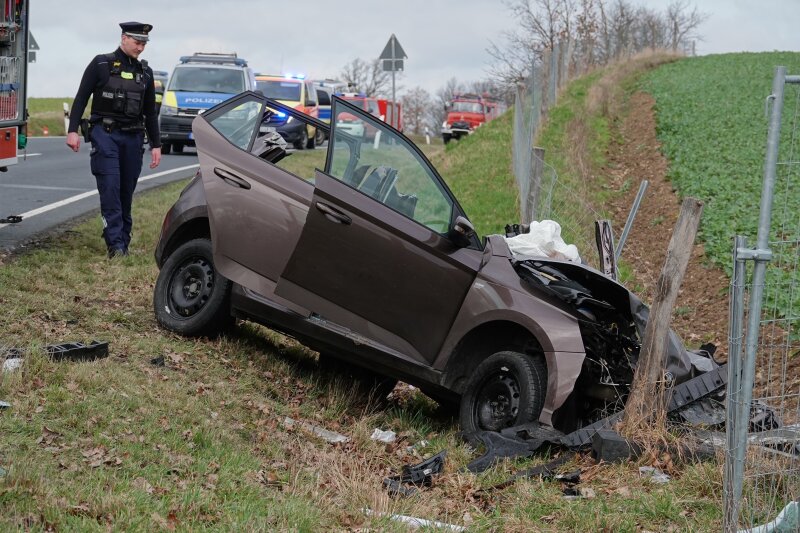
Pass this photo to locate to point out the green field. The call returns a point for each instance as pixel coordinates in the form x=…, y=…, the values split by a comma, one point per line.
x=712, y=123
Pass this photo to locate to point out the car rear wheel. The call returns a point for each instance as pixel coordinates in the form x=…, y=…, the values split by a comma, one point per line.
x=166, y=148
x=505, y=390
x=190, y=297
x=178, y=148
x=300, y=143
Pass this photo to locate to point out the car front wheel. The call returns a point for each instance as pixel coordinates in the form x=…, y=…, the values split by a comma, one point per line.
x=300, y=144
x=505, y=390
x=190, y=297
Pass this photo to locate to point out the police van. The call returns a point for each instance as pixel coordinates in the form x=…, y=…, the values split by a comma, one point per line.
x=199, y=82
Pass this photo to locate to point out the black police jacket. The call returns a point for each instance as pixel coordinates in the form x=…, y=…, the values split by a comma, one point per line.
x=129, y=93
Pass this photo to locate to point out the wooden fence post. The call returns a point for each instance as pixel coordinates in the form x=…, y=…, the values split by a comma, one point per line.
x=647, y=400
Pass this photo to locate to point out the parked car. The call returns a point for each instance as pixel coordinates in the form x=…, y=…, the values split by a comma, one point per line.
x=297, y=93
x=372, y=261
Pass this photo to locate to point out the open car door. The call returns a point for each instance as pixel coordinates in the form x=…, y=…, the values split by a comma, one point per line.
x=375, y=244
x=256, y=209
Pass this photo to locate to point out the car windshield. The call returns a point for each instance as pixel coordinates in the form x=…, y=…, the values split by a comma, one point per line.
x=280, y=90
x=468, y=107
x=207, y=80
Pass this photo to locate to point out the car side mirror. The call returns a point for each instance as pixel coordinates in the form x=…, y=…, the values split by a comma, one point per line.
x=461, y=232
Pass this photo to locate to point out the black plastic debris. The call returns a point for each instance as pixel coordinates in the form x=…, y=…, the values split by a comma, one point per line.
x=498, y=446
x=77, y=351
x=157, y=361
x=611, y=447
x=415, y=476
x=11, y=219
x=4, y=405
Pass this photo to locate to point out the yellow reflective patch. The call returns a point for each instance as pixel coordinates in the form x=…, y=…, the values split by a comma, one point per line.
x=127, y=75
x=170, y=100
x=117, y=63
x=158, y=98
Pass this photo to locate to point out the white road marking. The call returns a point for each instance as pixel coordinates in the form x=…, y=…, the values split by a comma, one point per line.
x=41, y=187
x=87, y=194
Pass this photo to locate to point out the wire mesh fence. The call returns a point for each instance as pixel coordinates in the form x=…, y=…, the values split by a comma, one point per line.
x=762, y=464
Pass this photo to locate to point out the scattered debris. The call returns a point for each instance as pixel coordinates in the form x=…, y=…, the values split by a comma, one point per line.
x=330, y=436
x=2, y=471
x=4, y=405
x=11, y=219
x=416, y=523
x=787, y=521
x=611, y=447
x=77, y=351
x=655, y=475
x=419, y=475
x=388, y=436
x=10, y=365
x=158, y=361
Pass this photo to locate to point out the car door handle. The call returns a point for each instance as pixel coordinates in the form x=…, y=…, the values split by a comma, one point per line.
x=332, y=214
x=231, y=178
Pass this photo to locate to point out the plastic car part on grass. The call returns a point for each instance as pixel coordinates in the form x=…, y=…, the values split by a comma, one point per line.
x=419, y=475
x=77, y=351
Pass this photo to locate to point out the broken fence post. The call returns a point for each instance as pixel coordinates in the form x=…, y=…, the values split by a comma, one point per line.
x=647, y=399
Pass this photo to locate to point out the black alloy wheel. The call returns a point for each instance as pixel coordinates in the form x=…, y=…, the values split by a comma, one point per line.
x=505, y=390
x=190, y=297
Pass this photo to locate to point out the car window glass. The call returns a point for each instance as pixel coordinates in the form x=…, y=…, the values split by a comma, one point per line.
x=238, y=123
x=323, y=98
x=387, y=168
x=275, y=142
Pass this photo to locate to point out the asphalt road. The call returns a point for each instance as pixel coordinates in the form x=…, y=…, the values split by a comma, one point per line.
x=53, y=185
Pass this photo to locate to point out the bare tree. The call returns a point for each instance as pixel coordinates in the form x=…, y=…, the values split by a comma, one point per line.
x=367, y=77
x=416, y=109
x=683, y=24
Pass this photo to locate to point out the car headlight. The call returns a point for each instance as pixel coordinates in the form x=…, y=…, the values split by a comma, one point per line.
x=168, y=110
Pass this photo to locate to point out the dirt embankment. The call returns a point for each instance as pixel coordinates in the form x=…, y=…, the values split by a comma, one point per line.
x=701, y=312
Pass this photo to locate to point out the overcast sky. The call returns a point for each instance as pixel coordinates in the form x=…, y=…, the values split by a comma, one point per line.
x=442, y=38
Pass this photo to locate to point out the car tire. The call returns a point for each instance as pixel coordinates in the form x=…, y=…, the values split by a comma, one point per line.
x=300, y=143
x=367, y=384
x=178, y=147
x=311, y=143
x=191, y=298
x=166, y=148
x=505, y=390
x=319, y=138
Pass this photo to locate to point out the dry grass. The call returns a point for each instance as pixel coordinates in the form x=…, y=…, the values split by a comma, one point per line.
x=200, y=443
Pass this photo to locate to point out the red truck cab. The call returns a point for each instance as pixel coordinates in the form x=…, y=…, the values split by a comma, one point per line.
x=466, y=112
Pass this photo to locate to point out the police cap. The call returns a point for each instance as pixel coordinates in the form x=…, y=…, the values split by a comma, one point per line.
x=137, y=30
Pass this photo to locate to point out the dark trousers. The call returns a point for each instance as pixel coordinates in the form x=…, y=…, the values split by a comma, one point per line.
x=116, y=161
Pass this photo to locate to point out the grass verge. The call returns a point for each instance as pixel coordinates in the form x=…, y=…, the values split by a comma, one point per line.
x=200, y=442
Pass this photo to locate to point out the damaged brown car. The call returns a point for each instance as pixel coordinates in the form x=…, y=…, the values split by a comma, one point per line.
x=372, y=262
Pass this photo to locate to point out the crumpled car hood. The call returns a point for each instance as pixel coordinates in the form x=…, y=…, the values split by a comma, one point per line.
x=597, y=299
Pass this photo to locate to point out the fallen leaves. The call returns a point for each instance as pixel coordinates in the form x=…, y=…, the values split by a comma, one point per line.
x=99, y=456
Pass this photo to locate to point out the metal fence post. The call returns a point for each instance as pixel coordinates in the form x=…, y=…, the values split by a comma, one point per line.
x=551, y=101
x=537, y=167
x=760, y=255
x=733, y=474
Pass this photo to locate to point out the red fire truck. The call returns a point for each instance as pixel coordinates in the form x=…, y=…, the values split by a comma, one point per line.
x=465, y=112
x=14, y=30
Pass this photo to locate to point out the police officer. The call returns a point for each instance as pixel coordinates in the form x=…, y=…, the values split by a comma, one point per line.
x=123, y=107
